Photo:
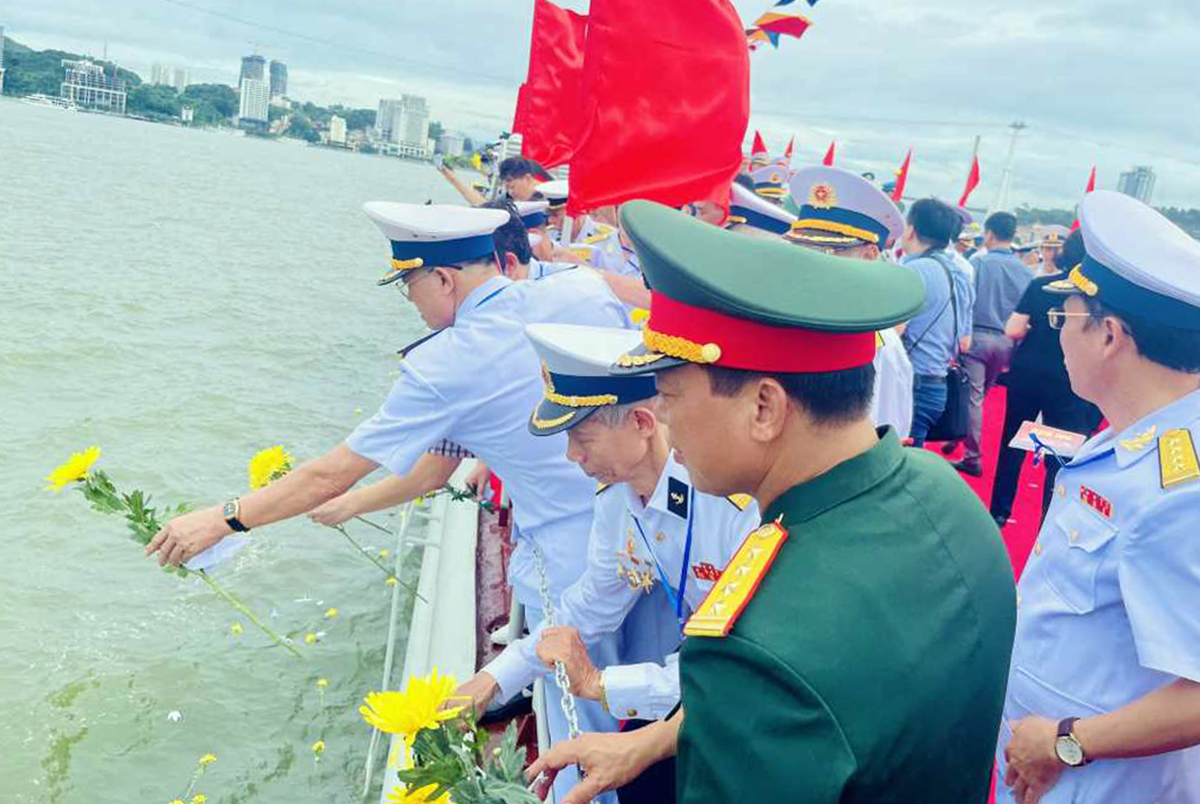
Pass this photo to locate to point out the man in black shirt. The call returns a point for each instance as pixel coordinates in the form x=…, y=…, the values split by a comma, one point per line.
x=1038, y=383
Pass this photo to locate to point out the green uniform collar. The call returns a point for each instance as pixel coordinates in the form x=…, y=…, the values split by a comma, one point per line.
x=844, y=481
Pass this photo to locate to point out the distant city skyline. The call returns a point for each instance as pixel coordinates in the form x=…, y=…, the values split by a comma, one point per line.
x=929, y=75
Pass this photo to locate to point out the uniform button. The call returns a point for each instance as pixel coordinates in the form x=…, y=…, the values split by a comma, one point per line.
x=1018, y=600
x=1037, y=549
x=661, y=536
x=631, y=712
x=1061, y=491
x=1074, y=535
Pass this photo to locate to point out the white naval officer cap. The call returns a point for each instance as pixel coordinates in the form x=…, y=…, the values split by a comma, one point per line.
x=555, y=192
x=771, y=181
x=533, y=213
x=434, y=235
x=1137, y=262
x=748, y=207
x=1053, y=236
x=840, y=209
x=575, y=361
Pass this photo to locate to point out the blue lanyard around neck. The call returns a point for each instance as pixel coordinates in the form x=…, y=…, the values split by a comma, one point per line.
x=675, y=596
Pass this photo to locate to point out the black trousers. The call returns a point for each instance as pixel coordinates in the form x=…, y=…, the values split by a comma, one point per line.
x=656, y=785
x=1031, y=393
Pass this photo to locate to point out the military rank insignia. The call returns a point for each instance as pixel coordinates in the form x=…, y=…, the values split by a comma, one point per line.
x=737, y=584
x=1096, y=501
x=1177, y=458
x=677, y=497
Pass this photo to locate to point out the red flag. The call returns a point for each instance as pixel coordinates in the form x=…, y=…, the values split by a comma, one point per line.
x=650, y=129
x=972, y=183
x=1091, y=187
x=902, y=178
x=549, y=102
x=828, y=161
x=788, y=153
x=759, y=149
x=787, y=23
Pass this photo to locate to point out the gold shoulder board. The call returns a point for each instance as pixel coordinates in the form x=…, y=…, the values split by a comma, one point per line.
x=740, y=501
x=737, y=583
x=1177, y=458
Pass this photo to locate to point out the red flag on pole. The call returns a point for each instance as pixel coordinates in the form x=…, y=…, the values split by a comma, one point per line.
x=650, y=129
x=1091, y=187
x=549, y=102
x=972, y=183
x=828, y=161
x=902, y=178
x=758, y=151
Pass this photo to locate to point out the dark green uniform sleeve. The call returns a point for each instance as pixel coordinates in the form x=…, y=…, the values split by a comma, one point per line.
x=790, y=749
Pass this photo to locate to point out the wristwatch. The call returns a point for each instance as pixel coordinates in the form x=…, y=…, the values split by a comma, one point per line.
x=230, y=512
x=1067, y=747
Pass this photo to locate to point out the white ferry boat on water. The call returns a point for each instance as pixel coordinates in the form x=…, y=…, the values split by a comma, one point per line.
x=52, y=101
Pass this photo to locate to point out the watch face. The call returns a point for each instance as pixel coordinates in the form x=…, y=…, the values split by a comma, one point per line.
x=231, y=509
x=1069, y=751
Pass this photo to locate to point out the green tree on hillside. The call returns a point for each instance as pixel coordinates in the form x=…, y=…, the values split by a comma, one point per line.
x=153, y=101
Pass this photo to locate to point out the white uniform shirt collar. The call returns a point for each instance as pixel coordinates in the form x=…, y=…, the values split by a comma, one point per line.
x=479, y=294
x=1141, y=438
x=658, y=500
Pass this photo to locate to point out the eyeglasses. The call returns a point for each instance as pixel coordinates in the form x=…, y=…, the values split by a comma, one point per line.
x=1058, y=317
x=405, y=287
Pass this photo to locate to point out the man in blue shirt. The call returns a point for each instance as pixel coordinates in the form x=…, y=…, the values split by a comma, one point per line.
x=943, y=327
x=1103, y=700
x=1000, y=280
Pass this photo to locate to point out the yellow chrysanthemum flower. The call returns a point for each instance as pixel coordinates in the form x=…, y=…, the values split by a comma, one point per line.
x=418, y=707
x=236, y=629
x=331, y=613
x=319, y=747
x=73, y=470
x=207, y=760
x=176, y=801
x=391, y=581
x=199, y=798
x=310, y=639
x=384, y=553
x=268, y=466
x=322, y=682
x=400, y=795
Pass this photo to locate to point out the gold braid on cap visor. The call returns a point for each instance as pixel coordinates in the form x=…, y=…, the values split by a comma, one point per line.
x=594, y=401
x=546, y=424
x=682, y=348
x=1080, y=281
x=407, y=265
x=836, y=228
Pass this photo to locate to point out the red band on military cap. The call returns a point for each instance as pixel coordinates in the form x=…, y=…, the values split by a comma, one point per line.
x=683, y=331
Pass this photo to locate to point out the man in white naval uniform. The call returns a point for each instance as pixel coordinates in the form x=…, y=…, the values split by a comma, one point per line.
x=843, y=214
x=473, y=383
x=650, y=530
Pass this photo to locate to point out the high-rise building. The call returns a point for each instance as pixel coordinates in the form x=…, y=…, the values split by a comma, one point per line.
x=278, y=79
x=385, y=118
x=253, y=103
x=253, y=67
x=337, y=130
x=412, y=125
x=88, y=85
x=168, y=76
x=450, y=144
x=1138, y=183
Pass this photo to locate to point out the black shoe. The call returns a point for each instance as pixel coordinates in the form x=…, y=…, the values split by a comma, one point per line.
x=949, y=447
x=1000, y=519
x=972, y=469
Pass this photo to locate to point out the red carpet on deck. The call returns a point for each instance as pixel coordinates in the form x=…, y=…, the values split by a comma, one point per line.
x=1022, y=528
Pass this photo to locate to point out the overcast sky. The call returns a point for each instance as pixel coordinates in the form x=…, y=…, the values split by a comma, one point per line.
x=1097, y=81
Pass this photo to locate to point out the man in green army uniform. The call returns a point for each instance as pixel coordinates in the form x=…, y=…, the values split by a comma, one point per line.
x=855, y=649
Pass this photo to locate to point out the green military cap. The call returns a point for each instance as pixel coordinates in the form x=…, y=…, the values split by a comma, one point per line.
x=721, y=299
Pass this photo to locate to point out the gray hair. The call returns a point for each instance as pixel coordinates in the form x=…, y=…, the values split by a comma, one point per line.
x=615, y=415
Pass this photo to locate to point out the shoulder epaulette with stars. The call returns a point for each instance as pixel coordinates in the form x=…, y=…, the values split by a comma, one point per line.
x=740, y=501
x=738, y=583
x=1177, y=458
